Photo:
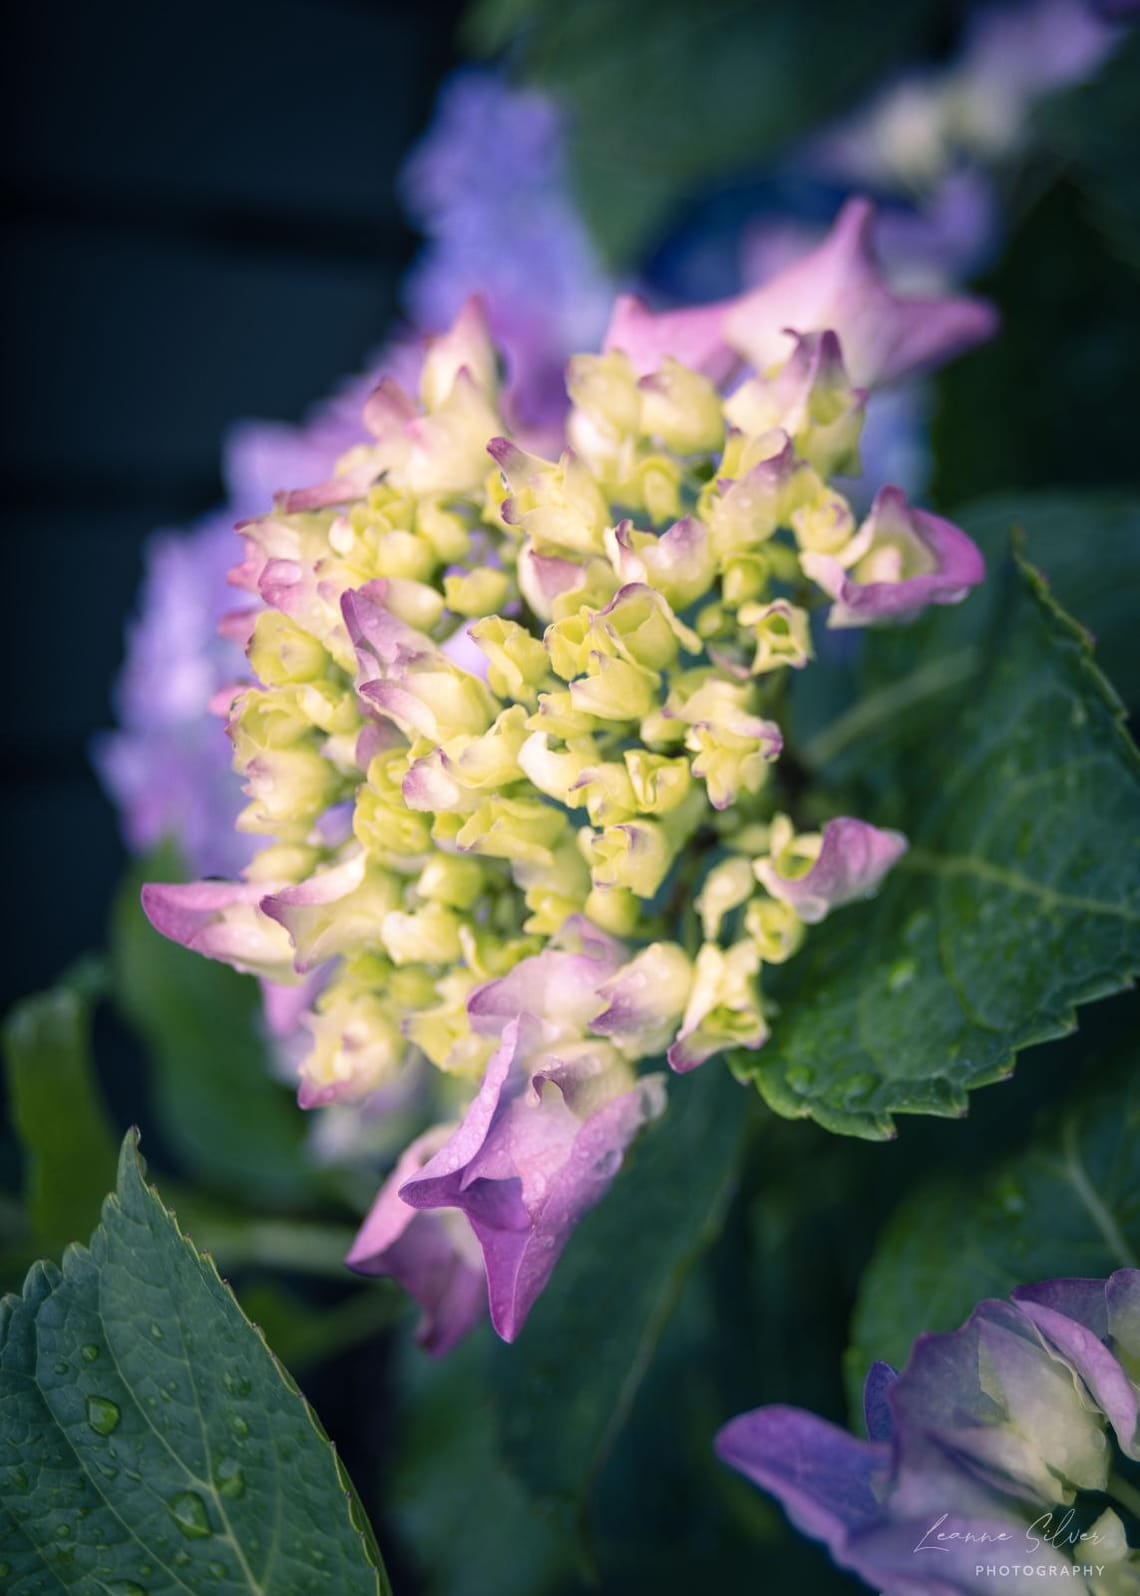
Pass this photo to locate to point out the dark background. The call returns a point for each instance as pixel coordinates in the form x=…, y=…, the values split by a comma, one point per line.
x=199, y=225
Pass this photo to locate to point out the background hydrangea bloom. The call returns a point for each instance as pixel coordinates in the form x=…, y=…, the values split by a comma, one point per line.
x=993, y=1458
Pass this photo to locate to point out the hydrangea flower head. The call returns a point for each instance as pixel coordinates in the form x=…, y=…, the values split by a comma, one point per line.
x=512, y=743
x=996, y=1460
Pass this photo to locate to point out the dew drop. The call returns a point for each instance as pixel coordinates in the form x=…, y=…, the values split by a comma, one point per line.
x=216, y=1570
x=90, y=1352
x=123, y=1587
x=61, y=1367
x=181, y=1559
x=901, y=974
x=189, y=1513
x=229, y=1478
x=108, y=1471
x=63, y=1533
x=239, y=1426
x=102, y=1415
x=156, y=1332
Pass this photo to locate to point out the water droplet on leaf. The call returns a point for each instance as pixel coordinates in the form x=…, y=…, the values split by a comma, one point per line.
x=189, y=1513
x=90, y=1352
x=229, y=1478
x=102, y=1415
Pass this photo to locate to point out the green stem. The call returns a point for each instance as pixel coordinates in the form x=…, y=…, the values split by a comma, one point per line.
x=307, y=1249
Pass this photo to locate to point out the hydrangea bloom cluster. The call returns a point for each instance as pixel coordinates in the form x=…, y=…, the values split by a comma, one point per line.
x=513, y=740
x=998, y=1461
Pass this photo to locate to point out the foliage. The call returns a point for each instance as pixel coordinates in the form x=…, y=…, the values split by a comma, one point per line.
x=648, y=128
x=1011, y=907
x=148, y=1438
x=1067, y=1204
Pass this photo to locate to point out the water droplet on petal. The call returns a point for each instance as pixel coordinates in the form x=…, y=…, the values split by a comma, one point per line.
x=189, y=1513
x=102, y=1415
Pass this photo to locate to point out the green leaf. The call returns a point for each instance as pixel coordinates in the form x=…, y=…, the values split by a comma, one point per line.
x=467, y=1522
x=666, y=95
x=565, y=1388
x=1095, y=128
x=1067, y=1204
x=232, y=1123
x=1018, y=900
x=1050, y=402
x=149, y=1440
x=69, y=1145
x=1087, y=546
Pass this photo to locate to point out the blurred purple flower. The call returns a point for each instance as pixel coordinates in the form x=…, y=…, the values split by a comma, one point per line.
x=980, y=1452
x=168, y=767
x=488, y=187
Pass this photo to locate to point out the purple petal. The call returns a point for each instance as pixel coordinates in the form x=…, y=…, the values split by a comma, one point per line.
x=560, y=988
x=839, y=287
x=425, y=1252
x=221, y=920
x=1073, y=1317
x=853, y=859
x=827, y=1481
x=955, y=561
x=695, y=337
x=876, y=1408
x=524, y=1168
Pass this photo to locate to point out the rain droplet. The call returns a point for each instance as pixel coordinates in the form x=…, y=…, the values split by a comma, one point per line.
x=102, y=1415
x=216, y=1570
x=238, y=1425
x=61, y=1367
x=108, y=1471
x=189, y=1513
x=63, y=1532
x=90, y=1352
x=123, y=1587
x=901, y=974
x=229, y=1478
x=156, y=1331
